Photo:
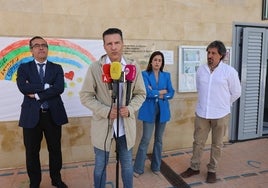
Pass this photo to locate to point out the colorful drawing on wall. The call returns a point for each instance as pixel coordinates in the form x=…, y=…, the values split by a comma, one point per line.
x=60, y=51
x=73, y=55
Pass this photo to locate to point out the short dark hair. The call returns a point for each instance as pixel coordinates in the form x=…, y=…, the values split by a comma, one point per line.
x=220, y=46
x=111, y=31
x=149, y=66
x=35, y=37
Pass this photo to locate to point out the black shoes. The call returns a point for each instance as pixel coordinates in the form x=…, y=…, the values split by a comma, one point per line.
x=211, y=177
x=189, y=172
x=59, y=184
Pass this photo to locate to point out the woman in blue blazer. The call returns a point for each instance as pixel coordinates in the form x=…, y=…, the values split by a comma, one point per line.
x=154, y=111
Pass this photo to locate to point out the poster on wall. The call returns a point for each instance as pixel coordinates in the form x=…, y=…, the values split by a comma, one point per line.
x=190, y=58
x=73, y=54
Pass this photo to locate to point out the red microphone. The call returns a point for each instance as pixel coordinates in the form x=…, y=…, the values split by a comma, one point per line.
x=130, y=71
x=106, y=77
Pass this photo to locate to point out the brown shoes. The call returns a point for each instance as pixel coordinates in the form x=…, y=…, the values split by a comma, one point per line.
x=211, y=177
x=189, y=172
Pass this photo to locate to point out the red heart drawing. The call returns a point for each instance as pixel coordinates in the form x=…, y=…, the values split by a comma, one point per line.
x=69, y=75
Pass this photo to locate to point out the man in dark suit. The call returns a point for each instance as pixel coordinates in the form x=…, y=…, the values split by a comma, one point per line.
x=42, y=112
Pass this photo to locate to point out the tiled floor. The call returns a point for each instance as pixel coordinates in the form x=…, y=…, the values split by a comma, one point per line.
x=243, y=165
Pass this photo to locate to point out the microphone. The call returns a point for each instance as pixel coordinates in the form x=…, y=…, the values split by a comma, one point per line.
x=106, y=78
x=130, y=71
x=115, y=71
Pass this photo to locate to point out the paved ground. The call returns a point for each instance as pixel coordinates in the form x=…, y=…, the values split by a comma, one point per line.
x=243, y=164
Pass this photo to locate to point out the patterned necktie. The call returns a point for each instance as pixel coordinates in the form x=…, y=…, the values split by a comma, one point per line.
x=41, y=71
x=44, y=105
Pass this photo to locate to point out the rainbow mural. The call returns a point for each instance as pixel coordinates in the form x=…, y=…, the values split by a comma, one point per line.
x=73, y=55
x=63, y=52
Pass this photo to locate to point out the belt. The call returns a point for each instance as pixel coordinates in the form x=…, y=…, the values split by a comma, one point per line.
x=44, y=110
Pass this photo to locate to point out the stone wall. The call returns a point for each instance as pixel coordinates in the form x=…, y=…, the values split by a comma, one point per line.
x=160, y=24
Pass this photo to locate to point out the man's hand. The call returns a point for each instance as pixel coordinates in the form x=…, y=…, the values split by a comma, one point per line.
x=124, y=111
x=113, y=113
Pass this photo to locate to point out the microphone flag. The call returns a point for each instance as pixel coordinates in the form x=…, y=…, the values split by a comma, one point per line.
x=106, y=77
x=130, y=76
x=130, y=71
x=115, y=71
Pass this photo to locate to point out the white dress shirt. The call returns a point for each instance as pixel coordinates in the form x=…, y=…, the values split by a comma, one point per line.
x=216, y=91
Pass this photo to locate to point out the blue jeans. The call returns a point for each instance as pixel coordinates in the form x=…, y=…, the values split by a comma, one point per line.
x=143, y=147
x=125, y=158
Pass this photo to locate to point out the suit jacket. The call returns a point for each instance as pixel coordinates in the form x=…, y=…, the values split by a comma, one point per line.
x=147, y=110
x=29, y=82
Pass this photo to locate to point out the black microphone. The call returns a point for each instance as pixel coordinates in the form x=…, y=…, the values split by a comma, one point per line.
x=115, y=71
x=130, y=71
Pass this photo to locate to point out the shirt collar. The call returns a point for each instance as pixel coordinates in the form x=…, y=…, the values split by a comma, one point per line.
x=37, y=62
x=123, y=61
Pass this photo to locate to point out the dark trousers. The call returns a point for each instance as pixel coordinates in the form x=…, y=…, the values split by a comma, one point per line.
x=32, y=141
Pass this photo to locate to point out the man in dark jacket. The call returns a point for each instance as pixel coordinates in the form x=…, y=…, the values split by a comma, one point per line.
x=42, y=112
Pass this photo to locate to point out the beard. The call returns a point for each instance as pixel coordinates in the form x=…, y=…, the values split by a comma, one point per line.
x=210, y=62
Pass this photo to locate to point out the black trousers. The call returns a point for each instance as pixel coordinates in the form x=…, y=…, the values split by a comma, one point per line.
x=32, y=141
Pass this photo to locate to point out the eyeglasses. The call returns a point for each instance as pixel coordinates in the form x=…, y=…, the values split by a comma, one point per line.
x=39, y=46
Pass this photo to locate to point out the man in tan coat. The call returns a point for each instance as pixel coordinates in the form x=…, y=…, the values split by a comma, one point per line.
x=96, y=95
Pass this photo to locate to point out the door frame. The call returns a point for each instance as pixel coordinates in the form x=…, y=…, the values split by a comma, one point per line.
x=237, y=48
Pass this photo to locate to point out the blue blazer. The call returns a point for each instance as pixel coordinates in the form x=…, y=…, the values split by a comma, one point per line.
x=29, y=82
x=147, y=110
